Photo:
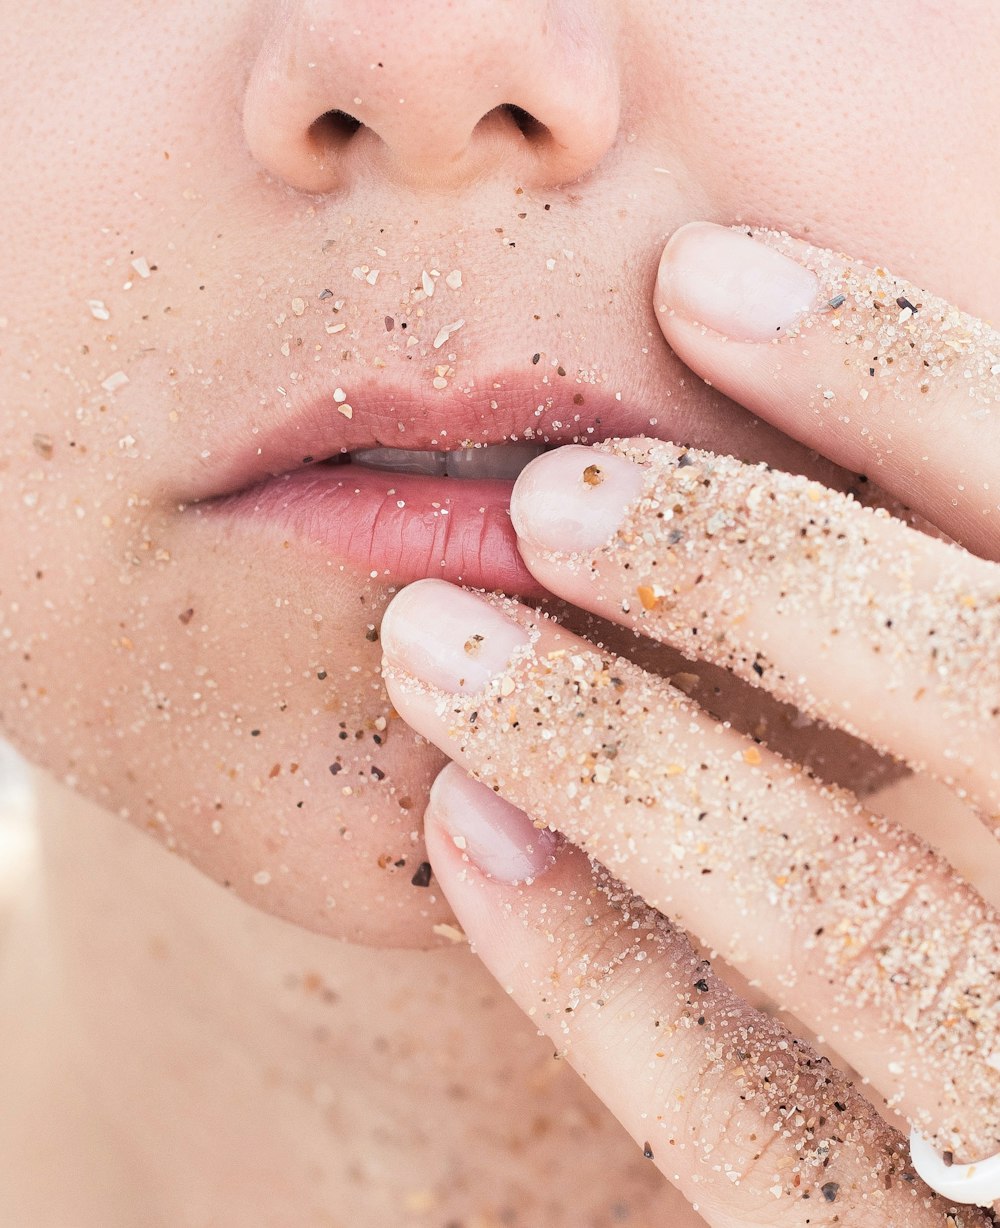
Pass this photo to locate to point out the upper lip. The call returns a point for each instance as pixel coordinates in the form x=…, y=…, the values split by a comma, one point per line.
x=503, y=408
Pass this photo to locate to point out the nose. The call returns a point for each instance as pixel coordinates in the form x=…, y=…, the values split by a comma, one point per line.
x=434, y=93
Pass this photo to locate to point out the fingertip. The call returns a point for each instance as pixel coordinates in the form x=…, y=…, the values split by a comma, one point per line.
x=573, y=498
x=491, y=836
x=724, y=278
x=444, y=856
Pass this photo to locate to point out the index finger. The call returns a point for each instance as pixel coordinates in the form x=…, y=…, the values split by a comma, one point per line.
x=873, y=372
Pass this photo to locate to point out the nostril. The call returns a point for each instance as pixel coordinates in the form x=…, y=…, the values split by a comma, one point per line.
x=336, y=137
x=530, y=128
x=334, y=127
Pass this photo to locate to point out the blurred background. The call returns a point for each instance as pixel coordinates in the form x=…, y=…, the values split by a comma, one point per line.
x=17, y=835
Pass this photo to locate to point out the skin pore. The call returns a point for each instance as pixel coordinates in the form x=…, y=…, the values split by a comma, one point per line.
x=159, y=302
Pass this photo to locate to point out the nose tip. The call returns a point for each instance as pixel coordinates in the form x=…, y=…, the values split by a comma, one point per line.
x=536, y=98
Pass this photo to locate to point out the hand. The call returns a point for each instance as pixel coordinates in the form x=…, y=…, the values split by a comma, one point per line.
x=866, y=934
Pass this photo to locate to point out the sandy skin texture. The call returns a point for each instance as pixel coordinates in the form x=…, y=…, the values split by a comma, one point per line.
x=879, y=375
x=902, y=339
x=729, y=1106
x=837, y=608
x=869, y=936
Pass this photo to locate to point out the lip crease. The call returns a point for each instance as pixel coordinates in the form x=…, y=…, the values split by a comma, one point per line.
x=398, y=527
x=501, y=409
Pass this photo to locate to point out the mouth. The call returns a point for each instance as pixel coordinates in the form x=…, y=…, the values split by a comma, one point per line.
x=503, y=461
x=439, y=506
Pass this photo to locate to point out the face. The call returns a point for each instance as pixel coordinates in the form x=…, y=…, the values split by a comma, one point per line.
x=244, y=239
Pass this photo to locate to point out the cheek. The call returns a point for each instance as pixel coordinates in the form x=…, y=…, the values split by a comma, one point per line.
x=254, y=739
x=860, y=127
x=130, y=670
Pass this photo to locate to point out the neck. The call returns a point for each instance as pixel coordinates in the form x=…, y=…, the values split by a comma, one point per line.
x=188, y=1057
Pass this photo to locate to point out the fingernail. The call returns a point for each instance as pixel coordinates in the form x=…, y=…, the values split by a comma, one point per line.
x=722, y=278
x=447, y=637
x=573, y=498
x=495, y=836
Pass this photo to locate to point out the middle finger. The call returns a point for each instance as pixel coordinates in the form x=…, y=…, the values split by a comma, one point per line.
x=858, y=927
x=843, y=611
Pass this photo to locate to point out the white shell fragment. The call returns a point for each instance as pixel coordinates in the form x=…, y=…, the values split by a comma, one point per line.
x=446, y=332
x=970, y=1183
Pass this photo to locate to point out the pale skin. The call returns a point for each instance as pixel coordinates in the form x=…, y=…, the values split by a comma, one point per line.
x=182, y=1059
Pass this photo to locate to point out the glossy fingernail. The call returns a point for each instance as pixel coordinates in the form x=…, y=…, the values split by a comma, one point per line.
x=448, y=637
x=723, y=278
x=573, y=498
x=495, y=836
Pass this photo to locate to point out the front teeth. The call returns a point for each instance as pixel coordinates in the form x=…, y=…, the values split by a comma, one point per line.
x=402, y=460
x=494, y=461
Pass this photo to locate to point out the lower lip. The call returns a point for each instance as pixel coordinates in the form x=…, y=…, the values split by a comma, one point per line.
x=394, y=527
